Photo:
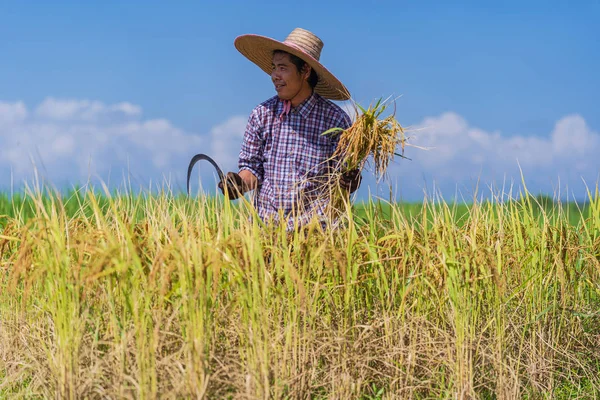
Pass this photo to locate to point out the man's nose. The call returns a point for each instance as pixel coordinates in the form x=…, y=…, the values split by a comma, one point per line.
x=274, y=75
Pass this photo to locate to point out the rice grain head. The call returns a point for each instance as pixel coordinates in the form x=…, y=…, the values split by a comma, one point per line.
x=370, y=135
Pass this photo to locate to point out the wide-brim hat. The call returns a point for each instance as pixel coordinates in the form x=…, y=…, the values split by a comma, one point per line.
x=301, y=43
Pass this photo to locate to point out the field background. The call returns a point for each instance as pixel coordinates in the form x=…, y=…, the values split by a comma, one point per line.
x=147, y=296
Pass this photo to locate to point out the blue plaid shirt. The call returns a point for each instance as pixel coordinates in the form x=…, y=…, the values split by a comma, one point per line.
x=289, y=157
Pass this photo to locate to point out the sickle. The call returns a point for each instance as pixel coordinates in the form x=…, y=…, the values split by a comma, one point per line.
x=197, y=158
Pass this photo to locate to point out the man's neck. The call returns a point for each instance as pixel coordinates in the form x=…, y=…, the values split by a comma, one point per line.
x=301, y=96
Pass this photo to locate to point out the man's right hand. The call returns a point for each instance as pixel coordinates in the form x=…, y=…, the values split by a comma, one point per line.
x=234, y=185
x=351, y=180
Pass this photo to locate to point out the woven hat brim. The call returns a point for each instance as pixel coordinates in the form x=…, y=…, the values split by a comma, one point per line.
x=259, y=50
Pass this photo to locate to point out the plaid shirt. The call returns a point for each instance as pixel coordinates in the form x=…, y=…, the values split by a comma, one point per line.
x=288, y=155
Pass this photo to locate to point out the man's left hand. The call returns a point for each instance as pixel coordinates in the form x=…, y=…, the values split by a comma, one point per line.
x=351, y=180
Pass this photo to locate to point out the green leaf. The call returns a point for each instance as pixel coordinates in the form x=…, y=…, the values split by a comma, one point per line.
x=332, y=130
x=377, y=104
x=402, y=156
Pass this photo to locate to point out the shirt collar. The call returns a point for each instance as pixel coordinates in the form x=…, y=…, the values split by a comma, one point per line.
x=307, y=105
x=303, y=108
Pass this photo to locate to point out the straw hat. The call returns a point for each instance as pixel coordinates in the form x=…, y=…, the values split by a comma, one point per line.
x=301, y=43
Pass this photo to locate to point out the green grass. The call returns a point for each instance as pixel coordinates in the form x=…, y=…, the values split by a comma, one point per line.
x=23, y=207
x=158, y=296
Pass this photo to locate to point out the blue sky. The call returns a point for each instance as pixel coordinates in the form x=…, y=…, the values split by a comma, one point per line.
x=98, y=88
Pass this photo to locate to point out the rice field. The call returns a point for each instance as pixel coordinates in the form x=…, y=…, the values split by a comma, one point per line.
x=161, y=296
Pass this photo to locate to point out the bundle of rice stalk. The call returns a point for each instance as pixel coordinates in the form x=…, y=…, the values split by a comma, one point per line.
x=370, y=135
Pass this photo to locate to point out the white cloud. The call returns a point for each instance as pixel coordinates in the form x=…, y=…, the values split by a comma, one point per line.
x=63, y=145
x=70, y=140
x=73, y=139
x=84, y=110
x=571, y=135
x=126, y=108
x=460, y=154
x=226, y=141
x=11, y=113
x=456, y=143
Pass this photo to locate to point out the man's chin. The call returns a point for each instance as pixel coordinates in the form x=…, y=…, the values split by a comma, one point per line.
x=282, y=95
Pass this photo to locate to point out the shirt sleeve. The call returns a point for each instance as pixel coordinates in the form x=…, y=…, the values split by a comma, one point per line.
x=253, y=144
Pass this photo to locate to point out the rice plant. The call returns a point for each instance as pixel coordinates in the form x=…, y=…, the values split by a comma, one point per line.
x=162, y=296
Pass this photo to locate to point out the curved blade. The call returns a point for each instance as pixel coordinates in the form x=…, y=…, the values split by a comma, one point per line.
x=197, y=158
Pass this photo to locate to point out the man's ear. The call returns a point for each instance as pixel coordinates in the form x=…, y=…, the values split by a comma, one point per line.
x=306, y=71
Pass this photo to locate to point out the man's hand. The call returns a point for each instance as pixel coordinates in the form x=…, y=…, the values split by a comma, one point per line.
x=351, y=180
x=234, y=185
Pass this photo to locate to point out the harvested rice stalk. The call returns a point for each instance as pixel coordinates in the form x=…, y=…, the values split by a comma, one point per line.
x=370, y=136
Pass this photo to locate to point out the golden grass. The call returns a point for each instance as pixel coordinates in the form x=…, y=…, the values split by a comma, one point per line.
x=160, y=297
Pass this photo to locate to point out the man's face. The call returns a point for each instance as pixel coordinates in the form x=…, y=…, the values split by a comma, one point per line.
x=287, y=79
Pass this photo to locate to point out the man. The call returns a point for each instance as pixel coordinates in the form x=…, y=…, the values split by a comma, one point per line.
x=285, y=156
